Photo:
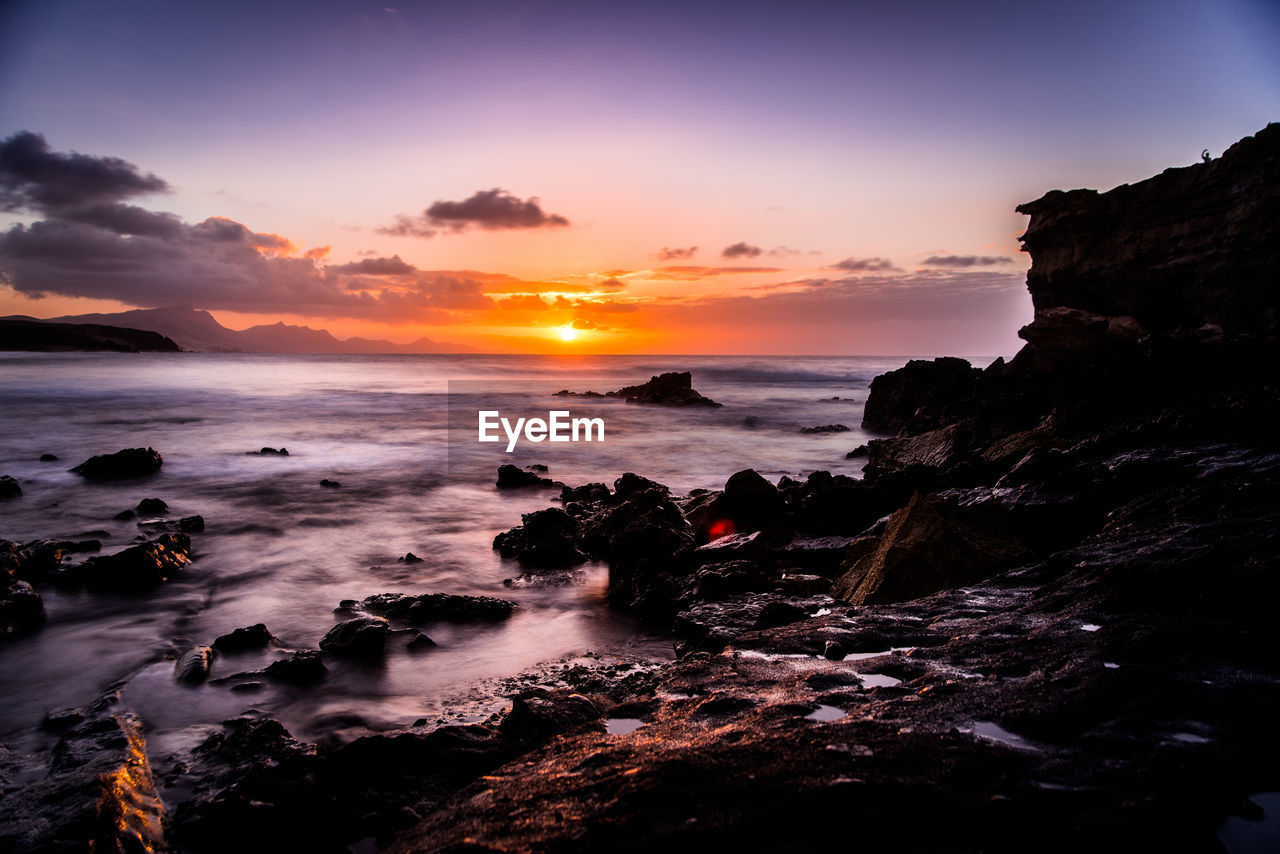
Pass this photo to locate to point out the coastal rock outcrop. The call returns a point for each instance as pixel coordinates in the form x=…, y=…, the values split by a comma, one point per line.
x=127, y=463
x=674, y=388
x=142, y=566
x=547, y=539
x=9, y=487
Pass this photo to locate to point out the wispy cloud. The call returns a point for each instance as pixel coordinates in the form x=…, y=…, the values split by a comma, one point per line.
x=491, y=210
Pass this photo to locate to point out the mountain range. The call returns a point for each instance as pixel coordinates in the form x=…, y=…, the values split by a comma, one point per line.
x=197, y=330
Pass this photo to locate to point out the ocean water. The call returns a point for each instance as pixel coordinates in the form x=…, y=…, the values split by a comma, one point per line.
x=399, y=434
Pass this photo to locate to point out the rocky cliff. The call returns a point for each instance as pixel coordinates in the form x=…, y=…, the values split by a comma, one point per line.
x=1193, y=245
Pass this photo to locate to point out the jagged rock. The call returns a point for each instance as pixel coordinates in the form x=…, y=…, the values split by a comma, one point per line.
x=98, y=795
x=930, y=545
x=720, y=580
x=142, y=566
x=247, y=638
x=359, y=636
x=857, y=453
x=647, y=543
x=514, y=477
x=194, y=666
x=128, y=463
x=546, y=540
x=920, y=396
x=268, y=452
x=431, y=607
x=732, y=547
x=1191, y=246
x=330, y=484
x=825, y=428
x=420, y=642
x=941, y=448
x=124, y=516
x=631, y=484
x=35, y=561
x=410, y=557
x=9, y=488
x=152, y=507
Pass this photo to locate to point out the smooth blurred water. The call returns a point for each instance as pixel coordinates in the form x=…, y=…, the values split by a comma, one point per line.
x=281, y=550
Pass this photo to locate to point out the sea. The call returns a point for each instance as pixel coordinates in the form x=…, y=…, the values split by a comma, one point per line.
x=400, y=435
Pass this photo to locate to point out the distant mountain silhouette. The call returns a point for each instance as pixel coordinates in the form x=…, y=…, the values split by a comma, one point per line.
x=194, y=329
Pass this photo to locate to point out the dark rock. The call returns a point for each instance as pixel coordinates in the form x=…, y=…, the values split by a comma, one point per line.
x=432, y=607
x=751, y=421
x=191, y=524
x=589, y=492
x=825, y=428
x=420, y=643
x=919, y=396
x=721, y=580
x=32, y=561
x=674, y=388
x=21, y=609
x=330, y=484
x=124, y=516
x=48, y=458
x=270, y=452
x=834, y=651
x=300, y=668
x=247, y=638
x=648, y=544
x=410, y=557
x=142, y=566
x=538, y=467
x=538, y=714
x=59, y=720
x=857, y=453
x=748, y=503
x=152, y=507
x=513, y=477
x=546, y=540
x=194, y=666
x=128, y=463
x=930, y=545
x=631, y=484
x=945, y=447
x=9, y=487
x=359, y=636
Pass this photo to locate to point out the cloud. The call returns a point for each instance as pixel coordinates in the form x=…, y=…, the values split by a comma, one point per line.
x=583, y=323
x=741, y=250
x=491, y=210
x=525, y=302
x=864, y=265
x=611, y=285
x=783, y=252
x=34, y=178
x=960, y=261
x=392, y=266
x=668, y=254
x=691, y=273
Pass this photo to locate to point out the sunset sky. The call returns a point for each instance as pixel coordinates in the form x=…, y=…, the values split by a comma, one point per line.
x=637, y=177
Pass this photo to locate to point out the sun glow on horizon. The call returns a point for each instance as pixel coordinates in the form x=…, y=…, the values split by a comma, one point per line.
x=568, y=333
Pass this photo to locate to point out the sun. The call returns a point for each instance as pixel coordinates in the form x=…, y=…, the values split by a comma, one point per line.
x=568, y=333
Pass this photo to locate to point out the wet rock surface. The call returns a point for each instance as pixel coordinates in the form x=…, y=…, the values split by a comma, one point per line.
x=128, y=463
x=674, y=388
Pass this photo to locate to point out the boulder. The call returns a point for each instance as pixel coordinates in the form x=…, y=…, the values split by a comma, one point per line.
x=9, y=487
x=48, y=458
x=191, y=524
x=920, y=396
x=194, y=666
x=538, y=714
x=247, y=638
x=128, y=463
x=152, y=507
x=303, y=667
x=588, y=492
x=142, y=566
x=360, y=636
x=928, y=546
x=546, y=540
x=748, y=503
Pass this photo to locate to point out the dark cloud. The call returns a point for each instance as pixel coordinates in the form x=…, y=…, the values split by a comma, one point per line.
x=864, y=265
x=126, y=219
x=741, y=250
x=959, y=261
x=611, y=285
x=32, y=177
x=392, y=266
x=491, y=210
x=666, y=253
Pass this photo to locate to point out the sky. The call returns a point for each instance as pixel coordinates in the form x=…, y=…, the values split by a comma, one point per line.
x=771, y=178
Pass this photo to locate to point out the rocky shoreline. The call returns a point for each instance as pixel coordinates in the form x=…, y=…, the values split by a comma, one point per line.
x=1042, y=619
